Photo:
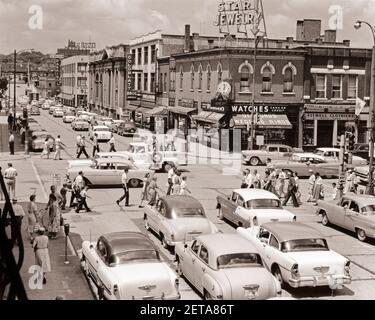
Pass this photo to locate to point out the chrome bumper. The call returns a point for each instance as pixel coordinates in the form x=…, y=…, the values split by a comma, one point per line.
x=333, y=281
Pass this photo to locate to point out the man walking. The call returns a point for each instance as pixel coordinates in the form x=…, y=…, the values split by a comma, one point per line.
x=112, y=144
x=292, y=189
x=82, y=148
x=10, y=175
x=124, y=181
x=171, y=173
x=82, y=201
x=312, y=180
x=96, y=145
x=19, y=215
x=59, y=145
x=78, y=143
x=10, y=121
x=11, y=143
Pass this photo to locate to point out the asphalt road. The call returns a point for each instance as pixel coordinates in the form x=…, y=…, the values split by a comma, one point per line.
x=206, y=182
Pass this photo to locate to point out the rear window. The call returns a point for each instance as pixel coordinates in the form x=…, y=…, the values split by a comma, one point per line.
x=239, y=260
x=187, y=212
x=134, y=256
x=264, y=203
x=304, y=245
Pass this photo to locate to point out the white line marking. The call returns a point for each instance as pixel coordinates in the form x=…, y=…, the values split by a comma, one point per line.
x=39, y=179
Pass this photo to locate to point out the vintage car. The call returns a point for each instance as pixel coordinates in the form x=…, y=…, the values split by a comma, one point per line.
x=271, y=151
x=352, y=212
x=68, y=118
x=51, y=109
x=127, y=266
x=58, y=113
x=177, y=219
x=103, y=132
x=46, y=106
x=34, y=110
x=298, y=255
x=249, y=207
x=80, y=124
x=225, y=267
x=302, y=163
x=332, y=154
x=362, y=172
x=107, y=172
x=38, y=139
x=126, y=128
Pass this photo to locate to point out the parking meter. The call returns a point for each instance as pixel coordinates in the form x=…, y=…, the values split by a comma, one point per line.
x=66, y=229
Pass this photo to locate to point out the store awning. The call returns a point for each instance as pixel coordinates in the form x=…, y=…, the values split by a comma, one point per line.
x=202, y=116
x=144, y=110
x=158, y=111
x=242, y=120
x=66, y=96
x=274, y=121
x=181, y=110
x=215, y=117
x=131, y=107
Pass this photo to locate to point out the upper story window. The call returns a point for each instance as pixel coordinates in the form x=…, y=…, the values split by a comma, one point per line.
x=133, y=56
x=192, y=74
x=145, y=55
x=172, y=82
x=81, y=67
x=288, y=80
x=245, y=79
x=336, y=87
x=352, y=86
x=219, y=73
x=321, y=86
x=181, y=78
x=208, y=78
x=153, y=53
x=267, y=79
x=200, y=77
x=139, y=56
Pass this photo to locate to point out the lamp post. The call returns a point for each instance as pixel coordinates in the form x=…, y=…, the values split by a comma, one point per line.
x=370, y=184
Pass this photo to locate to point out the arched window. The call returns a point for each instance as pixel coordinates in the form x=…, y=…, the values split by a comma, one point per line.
x=192, y=78
x=267, y=79
x=288, y=80
x=208, y=78
x=181, y=77
x=245, y=79
x=200, y=77
x=219, y=73
x=97, y=86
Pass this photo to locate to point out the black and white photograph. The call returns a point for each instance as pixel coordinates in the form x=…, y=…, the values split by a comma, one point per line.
x=187, y=150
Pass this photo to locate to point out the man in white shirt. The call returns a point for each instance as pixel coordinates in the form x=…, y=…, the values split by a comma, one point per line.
x=19, y=214
x=171, y=173
x=82, y=200
x=250, y=180
x=112, y=144
x=10, y=175
x=78, y=142
x=312, y=180
x=11, y=143
x=59, y=145
x=124, y=181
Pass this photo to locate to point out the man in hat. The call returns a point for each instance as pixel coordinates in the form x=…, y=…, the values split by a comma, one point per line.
x=292, y=189
x=19, y=214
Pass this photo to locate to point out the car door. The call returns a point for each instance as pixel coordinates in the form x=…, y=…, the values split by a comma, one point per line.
x=337, y=215
x=152, y=212
x=351, y=215
x=241, y=214
x=163, y=225
x=189, y=260
x=200, y=267
x=96, y=259
x=105, y=174
x=271, y=250
x=230, y=208
x=273, y=152
x=261, y=243
x=285, y=152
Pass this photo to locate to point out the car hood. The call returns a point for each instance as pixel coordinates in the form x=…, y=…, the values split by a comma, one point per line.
x=241, y=279
x=140, y=280
x=270, y=215
x=79, y=163
x=185, y=229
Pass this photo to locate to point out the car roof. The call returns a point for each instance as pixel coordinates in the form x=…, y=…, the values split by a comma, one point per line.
x=101, y=127
x=229, y=243
x=181, y=201
x=128, y=241
x=328, y=149
x=252, y=194
x=109, y=160
x=288, y=230
x=277, y=145
x=35, y=133
x=308, y=155
x=362, y=200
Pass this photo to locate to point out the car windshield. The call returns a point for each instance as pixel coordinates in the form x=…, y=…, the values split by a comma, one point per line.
x=369, y=209
x=264, y=203
x=187, y=212
x=134, y=256
x=304, y=245
x=102, y=129
x=263, y=148
x=319, y=152
x=245, y=259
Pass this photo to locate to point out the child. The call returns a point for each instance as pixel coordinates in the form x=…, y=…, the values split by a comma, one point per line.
x=183, y=187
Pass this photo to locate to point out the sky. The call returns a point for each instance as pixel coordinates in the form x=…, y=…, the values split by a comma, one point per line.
x=46, y=25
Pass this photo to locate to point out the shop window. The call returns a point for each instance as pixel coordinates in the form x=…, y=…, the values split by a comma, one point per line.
x=308, y=133
x=321, y=86
x=208, y=78
x=288, y=80
x=352, y=86
x=192, y=78
x=336, y=87
x=266, y=79
x=139, y=81
x=245, y=79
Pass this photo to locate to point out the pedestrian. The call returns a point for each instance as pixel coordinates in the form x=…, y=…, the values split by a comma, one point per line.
x=310, y=190
x=318, y=189
x=47, y=148
x=59, y=146
x=63, y=192
x=184, y=190
x=273, y=178
x=298, y=193
x=152, y=191
x=349, y=181
x=334, y=191
x=32, y=217
x=292, y=189
x=112, y=144
x=54, y=215
x=10, y=175
x=19, y=215
x=78, y=143
x=77, y=186
x=256, y=179
x=11, y=143
x=281, y=182
x=82, y=200
x=355, y=183
x=144, y=194
x=82, y=148
x=266, y=180
x=243, y=180
x=42, y=258
x=56, y=194
x=95, y=148
x=10, y=121
x=23, y=132
x=171, y=173
x=249, y=179
x=176, y=183
x=269, y=164
x=125, y=187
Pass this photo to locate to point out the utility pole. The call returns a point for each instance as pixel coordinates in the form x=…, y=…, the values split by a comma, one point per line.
x=14, y=89
x=340, y=187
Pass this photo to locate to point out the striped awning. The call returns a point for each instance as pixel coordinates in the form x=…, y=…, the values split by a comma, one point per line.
x=274, y=121
x=181, y=110
x=202, y=116
x=215, y=117
x=158, y=111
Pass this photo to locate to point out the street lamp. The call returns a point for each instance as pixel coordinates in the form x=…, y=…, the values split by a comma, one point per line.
x=370, y=184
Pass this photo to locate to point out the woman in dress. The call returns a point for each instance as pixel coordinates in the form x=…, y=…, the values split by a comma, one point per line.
x=46, y=149
x=42, y=259
x=144, y=194
x=32, y=216
x=183, y=187
x=54, y=216
x=152, y=191
x=176, y=183
x=318, y=188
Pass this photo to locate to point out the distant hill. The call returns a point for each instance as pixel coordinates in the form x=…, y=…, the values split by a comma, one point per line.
x=38, y=61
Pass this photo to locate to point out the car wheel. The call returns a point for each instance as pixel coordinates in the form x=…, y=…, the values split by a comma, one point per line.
x=147, y=225
x=254, y=161
x=207, y=295
x=167, y=167
x=134, y=183
x=325, y=221
x=361, y=234
x=221, y=215
x=277, y=274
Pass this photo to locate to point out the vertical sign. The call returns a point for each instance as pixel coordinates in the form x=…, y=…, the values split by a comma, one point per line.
x=131, y=93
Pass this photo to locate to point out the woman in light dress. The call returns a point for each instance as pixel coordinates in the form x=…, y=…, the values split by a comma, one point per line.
x=32, y=216
x=46, y=149
x=318, y=189
x=144, y=194
x=184, y=191
x=42, y=259
x=176, y=183
x=54, y=216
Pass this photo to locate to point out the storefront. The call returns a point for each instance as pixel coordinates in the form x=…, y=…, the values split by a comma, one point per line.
x=158, y=119
x=180, y=118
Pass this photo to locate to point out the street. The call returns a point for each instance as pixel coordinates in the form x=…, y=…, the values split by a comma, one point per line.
x=206, y=182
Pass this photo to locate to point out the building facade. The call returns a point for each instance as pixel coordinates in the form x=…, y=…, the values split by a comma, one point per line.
x=74, y=81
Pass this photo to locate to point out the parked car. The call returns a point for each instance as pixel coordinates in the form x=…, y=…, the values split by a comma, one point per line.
x=177, y=219
x=249, y=207
x=298, y=255
x=302, y=163
x=107, y=172
x=352, y=212
x=127, y=266
x=333, y=154
x=46, y=106
x=103, y=132
x=362, y=150
x=38, y=139
x=225, y=267
x=52, y=109
x=68, y=118
x=80, y=124
x=362, y=173
x=58, y=113
x=272, y=151
x=126, y=128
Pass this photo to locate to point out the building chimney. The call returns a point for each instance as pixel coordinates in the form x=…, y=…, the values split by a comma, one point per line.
x=346, y=43
x=330, y=36
x=195, y=43
x=187, y=38
x=308, y=29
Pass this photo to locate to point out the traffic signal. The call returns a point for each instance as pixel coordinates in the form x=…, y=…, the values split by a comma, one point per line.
x=346, y=157
x=351, y=142
x=24, y=113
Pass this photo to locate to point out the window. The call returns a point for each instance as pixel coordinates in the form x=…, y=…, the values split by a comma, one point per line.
x=81, y=82
x=273, y=242
x=165, y=83
x=152, y=82
x=288, y=80
x=267, y=79
x=234, y=197
x=219, y=73
x=153, y=53
x=133, y=56
x=272, y=149
x=139, y=81
x=354, y=207
x=336, y=87
x=345, y=203
x=203, y=254
x=240, y=201
x=102, y=250
x=320, y=86
x=195, y=246
x=200, y=78
x=181, y=78
x=208, y=78
x=352, y=86
x=245, y=79
x=139, y=60
x=145, y=55
x=81, y=67
x=172, y=82
x=161, y=82
x=145, y=82
x=192, y=78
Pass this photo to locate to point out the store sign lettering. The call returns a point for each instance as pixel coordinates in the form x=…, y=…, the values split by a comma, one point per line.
x=131, y=94
x=329, y=116
x=237, y=13
x=208, y=107
x=247, y=109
